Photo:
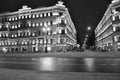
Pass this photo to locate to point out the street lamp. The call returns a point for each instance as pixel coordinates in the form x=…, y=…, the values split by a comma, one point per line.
x=89, y=28
x=46, y=30
x=86, y=35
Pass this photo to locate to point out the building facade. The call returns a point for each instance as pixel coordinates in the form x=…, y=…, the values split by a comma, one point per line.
x=107, y=32
x=37, y=30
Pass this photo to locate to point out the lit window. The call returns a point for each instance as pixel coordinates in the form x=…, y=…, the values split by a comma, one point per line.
x=15, y=35
x=60, y=31
x=65, y=21
x=29, y=33
x=29, y=16
x=33, y=42
x=0, y=35
x=44, y=14
x=48, y=33
x=22, y=17
x=0, y=25
x=7, y=34
x=12, y=27
x=45, y=41
x=118, y=43
x=19, y=17
x=12, y=35
x=13, y=19
x=25, y=16
x=40, y=23
x=33, y=16
x=15, y=43
x=48, y=22
x=12, y=43
x=29, y=23
x=33, y=34
x=9, y=19
x=26, y=42
x=41, y=15
x=114, y=28
x=115, y=38
x=41, y=41
x=37, y=15
x=113, y=18
x=33, y=24
x=55, y=13
x=16, y=26
x=49, y=41
x=8, y=42
x=2, y=43
x=22, y=43
x=7, y=26
x=48, y=14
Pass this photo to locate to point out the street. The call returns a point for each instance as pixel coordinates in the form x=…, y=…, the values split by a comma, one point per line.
x=58, y=65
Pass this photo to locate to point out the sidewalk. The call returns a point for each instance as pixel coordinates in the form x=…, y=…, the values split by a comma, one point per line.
x=12, y=74
x=86, y=53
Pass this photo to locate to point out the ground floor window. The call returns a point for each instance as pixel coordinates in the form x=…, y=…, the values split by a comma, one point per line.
x=24, y=48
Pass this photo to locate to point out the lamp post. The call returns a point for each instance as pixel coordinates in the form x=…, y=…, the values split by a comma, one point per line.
x=89, y=28
x=46, y=30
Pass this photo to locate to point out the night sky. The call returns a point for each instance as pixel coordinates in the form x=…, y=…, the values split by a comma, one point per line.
x=84, y=13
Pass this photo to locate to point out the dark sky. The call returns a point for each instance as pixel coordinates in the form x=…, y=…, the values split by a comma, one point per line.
x=84, y=13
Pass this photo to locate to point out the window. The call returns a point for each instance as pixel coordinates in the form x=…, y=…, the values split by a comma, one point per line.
x=40, y=23
x=51, y=14
x=26, y=16
x=116, y=17
x=22, y=17
x=51, y=41
x=16, y=49
x=18, y=25
x=19, y=17
x=118, y=9
x=12, y=49
x=24, y=49
x=117, y=28
x=51, y=22
x=45, y=15
x=48, y=14
x=33, y=16
x=0, y=25
x=48, y=22
x=37, y=24
x=33, y=42
x=29, y=16
x=41, y=41
x=10, y=19
x=13, y=18
x=33, y=24
x=37, y=15
x=63, y=31
x=41, y=15
x=61, y=41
